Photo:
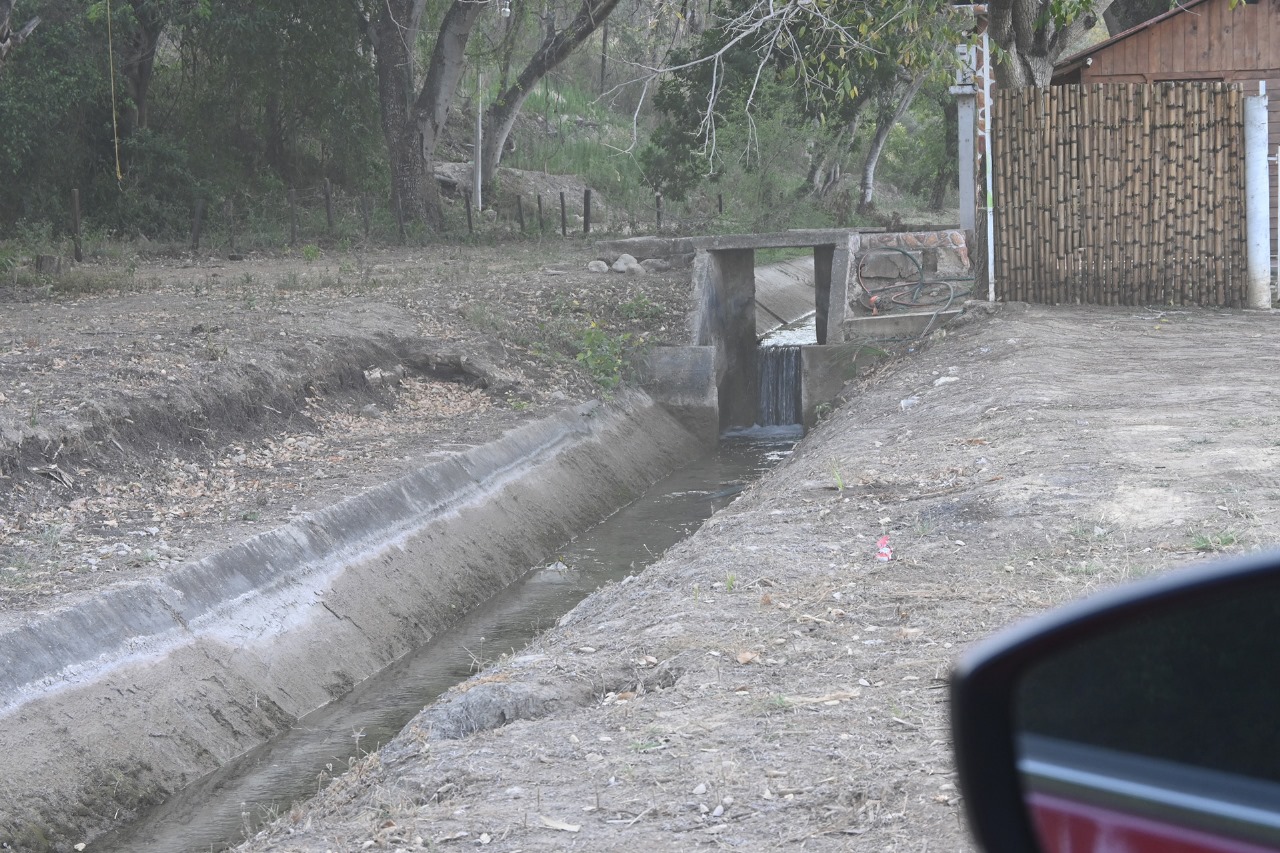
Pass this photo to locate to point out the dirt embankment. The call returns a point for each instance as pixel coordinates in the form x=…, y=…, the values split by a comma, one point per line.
x=770, y=684
x=153, y=411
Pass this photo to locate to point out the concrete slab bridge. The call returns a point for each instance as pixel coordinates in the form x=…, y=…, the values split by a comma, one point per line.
x=713, y=383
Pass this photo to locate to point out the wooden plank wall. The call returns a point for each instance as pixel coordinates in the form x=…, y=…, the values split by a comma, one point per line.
x=1120, y=194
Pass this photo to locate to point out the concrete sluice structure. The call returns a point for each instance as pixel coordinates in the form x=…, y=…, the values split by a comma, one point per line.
x=713, y=384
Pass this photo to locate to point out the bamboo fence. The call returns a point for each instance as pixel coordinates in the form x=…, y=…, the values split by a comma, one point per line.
x=1120, y=194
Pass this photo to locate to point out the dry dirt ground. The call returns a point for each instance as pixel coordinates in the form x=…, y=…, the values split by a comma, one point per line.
x=768, y=684
x=152, y=411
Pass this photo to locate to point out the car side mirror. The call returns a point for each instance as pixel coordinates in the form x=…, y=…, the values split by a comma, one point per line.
x=1146, y=718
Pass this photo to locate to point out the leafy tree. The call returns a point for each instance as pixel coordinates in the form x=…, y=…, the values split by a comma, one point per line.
x=843, y=62
x=9, y=39
x=137, y=26
x=556, y=46
x=1033, y=34
x=414, y=107
x=54, y=124
x=1125, y=14
x=275, y=89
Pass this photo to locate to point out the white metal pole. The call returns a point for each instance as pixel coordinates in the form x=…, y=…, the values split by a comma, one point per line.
x=988, y=67
x=1257, y=180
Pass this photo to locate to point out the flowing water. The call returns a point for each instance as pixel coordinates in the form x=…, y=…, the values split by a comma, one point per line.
x=219, y=810
x=779, y=370
x=778, y=366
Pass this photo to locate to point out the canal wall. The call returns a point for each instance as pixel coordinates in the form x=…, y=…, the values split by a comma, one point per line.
x=115, y=703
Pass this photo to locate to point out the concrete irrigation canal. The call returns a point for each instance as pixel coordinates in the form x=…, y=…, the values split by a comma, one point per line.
x=134, y=694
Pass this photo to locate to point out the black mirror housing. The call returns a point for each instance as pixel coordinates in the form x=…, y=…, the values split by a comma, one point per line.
x=1130, y=649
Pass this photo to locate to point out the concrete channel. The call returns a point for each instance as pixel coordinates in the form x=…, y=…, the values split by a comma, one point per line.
x=113, y=704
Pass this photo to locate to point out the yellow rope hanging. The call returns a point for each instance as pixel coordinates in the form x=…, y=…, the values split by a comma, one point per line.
x=111, y=69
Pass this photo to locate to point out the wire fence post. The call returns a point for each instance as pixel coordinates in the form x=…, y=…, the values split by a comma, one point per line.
x=658, y=202
x=293, y=217
x=564, y=217
x=586, y=211
x=466, y=196
x=520, y=212
x=328, y=204
x=541, y=228
x=229, y=211
x=75, y=226
x=196, y=224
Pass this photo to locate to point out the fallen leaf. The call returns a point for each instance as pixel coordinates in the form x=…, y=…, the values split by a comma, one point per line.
x=745, y=657
x=552, y=823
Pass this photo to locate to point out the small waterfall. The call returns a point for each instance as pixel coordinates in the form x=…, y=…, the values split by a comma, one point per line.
x=779, y=371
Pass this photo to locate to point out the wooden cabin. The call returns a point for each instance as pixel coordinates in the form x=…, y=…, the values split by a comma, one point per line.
x=1204, y=40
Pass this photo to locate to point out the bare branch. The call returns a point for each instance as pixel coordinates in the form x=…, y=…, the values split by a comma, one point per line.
x=8, y=38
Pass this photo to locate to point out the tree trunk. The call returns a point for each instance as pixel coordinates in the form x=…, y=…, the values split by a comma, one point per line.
x=555, y=48
x=604, y=55
x=1032, y=40
x=946, y=176
x=137, y=62
x=826, y=167
x=412, y=125
x=883, y=126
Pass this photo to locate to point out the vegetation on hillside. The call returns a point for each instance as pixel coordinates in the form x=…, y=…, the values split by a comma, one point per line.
x=768, y=115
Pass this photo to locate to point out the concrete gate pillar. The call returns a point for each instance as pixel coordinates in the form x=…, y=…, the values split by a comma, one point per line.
x=832, y=269
x=726, y=280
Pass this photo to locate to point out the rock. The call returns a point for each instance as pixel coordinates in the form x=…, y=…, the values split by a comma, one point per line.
x=597, y=266
x=627, y=264
x=888, y=265
x=656, y=264
x=370, y=411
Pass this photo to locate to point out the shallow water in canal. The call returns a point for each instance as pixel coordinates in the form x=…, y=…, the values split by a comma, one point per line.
x=219, y=810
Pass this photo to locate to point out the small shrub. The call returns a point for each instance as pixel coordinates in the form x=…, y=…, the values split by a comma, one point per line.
x=640, y=307
x=1213, y=541
x=603, y=355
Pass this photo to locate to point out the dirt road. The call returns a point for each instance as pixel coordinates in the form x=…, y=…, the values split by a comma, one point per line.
x=769, y=684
